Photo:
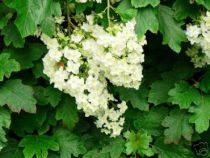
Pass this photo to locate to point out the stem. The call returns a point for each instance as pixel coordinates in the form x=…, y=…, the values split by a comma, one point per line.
x=68, y=19
x=108, y=12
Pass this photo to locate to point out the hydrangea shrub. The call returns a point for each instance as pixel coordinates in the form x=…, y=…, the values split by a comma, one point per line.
x=104, y=78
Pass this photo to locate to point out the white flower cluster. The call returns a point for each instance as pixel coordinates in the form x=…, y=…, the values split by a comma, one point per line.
x=199, y=37
x=81, y=64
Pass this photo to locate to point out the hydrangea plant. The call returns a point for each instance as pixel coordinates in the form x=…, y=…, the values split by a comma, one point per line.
x=104, y=78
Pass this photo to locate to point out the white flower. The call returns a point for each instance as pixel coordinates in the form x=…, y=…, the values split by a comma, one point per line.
x=76, y=38
x=193, y=31
x=71, y=54
x=199, y=37
x=81, y=64
x=55, y=54
x=59, y=19
x=51, y=43
x=73, y=67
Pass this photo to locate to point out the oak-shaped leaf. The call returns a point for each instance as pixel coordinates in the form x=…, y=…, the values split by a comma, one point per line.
x=205, y=3
x=38, y=146
x=137, y=98
x=138, y=143
x=172, y=32
x=7, y=66
x=17, y=96
x=126, y=11
x=146, y=19
x=31, y=13
x=143, y=3
x=151, y=121
x=12, y=36
x=183, y=9
x=11, y=150
x=177, y=124
x=27, y=55
x=171, y=150
x=201, y=114
x=70, y=144
x=183, y=95
x=67, y=112
x=5, y=121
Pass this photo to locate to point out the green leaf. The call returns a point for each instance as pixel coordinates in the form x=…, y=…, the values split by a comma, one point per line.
x=183, y=9
x=204, y=84
x=160, y=88
x=67, y=112
x=28, y=123
x=48, y=26
x=173, y=35
x=146, y=19
x=114, y=148
x=126, y=11
x=205, y=3
x=3, y=22
x=38, y=146
x=171, y=150
x=138, y=98
x=11, y=150
x=143, y=3
x=12, y=36
x=53, y=95
x=31, y=13
x=183, y=95
x=95, y=154
x=159, y=91
x=138, y=143
x=53, y=155
x=47, y=95
x=178, y=126
x=5, y=121
x=7, y=66
x=70, y=144
x=150, y=121
x=39, y=95
x=81, y=7
x=201, y=114
x=31, y=52
x=38, y=70
x=17, y=96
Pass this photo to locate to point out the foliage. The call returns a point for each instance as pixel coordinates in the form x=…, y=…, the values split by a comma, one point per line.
x=166, y=116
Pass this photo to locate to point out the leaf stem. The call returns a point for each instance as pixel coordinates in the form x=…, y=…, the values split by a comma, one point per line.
x=68, y=19
x=108, y=12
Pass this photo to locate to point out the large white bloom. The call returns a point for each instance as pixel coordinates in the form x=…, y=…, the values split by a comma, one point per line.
x=199, y=37
x=81, y=64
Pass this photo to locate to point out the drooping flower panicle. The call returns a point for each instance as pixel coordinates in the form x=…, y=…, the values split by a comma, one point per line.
x=199, y=36
x=81, y=64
